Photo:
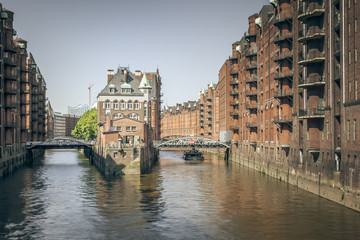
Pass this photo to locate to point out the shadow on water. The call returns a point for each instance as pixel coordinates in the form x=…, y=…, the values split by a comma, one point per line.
x=63, y=197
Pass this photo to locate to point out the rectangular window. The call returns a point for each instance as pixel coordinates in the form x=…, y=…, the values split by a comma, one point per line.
x=128, y=129
x=307, y=133
x=356, y=90
x=348, y=129
x=354, y=129
x=355, y=55
x=349, y=57
x=349, y=1
x=355, y=23
x=327, y=131
x=115, y=154
x=349, y=29
x=349, y=91
x=133, y=129
x=118, y=128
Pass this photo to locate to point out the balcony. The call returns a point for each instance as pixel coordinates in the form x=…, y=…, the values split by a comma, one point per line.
x=312, y=81
x=234, y=70
x=234, y=103
x=10, y=90
x=317, y=112
x=9, y=47
x=11, y=104
x=234, y=92
x=250, y=92
x=252, y=124
x=284, y=55
x=12, y=75
x=234, y=113
x=252, y=79
x=281, y=18
x=251, y=106
x=283, y=75
x=251, y=66
x=10, y=62
x=234, y=127
x=234, y=82
x=233, y=58
x=312, y=9
x=250, y=36
x=282, y=37
x=10, y=124
x=251, y=52
x=313, y=33
x=23, y=68
x=311, y=57
x=281, y=93
x=283, y=119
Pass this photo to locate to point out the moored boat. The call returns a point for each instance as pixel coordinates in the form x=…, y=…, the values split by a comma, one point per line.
x=193, y=155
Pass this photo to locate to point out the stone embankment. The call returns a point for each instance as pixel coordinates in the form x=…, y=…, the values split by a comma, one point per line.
x=116, y=161
x=328, y=187
x=15, y=157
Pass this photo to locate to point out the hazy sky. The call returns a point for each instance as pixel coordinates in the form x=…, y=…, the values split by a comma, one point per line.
x=74, y=42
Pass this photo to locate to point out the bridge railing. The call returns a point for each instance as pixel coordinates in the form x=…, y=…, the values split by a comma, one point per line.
x=191, y=142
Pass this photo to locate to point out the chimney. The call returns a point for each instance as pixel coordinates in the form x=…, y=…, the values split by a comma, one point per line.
x=110, y=74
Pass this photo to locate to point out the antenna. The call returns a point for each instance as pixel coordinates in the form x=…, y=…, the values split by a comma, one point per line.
x=90, y=86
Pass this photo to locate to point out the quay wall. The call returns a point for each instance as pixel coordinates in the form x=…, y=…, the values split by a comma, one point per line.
x=302, y=175
x=116, y=161
x=16, y=157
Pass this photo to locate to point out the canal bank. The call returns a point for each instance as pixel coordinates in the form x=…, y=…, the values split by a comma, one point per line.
x=124, y=160
x=301, y=175
x=63, y=196
x=17, y=156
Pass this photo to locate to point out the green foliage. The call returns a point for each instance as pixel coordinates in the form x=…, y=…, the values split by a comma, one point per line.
x=86, y=128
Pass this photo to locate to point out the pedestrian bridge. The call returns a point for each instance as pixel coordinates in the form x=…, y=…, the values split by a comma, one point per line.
x=59, y=143
x=188, y=142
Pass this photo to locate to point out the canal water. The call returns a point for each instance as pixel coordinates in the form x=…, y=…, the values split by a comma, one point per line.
x=63, y=197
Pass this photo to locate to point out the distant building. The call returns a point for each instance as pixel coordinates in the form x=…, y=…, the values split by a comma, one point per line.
x=59, y=125
x=70, y=123
x=78, y=110
x=49, y=121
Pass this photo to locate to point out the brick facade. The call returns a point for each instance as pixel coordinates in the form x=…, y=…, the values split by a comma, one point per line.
x=22, y=92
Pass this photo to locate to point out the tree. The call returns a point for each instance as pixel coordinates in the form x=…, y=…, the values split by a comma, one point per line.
x=86, y=127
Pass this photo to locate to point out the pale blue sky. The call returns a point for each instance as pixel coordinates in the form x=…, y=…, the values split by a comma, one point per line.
x=74, y=42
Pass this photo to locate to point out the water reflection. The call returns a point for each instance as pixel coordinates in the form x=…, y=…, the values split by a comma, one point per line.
x=62, y=196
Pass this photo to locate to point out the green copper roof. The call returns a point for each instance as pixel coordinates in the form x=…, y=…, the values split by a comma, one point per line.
x=111, y=86
x=258, y=21
x=238, y=48
x=125, y=85
x=273, y=2
x=144, y=82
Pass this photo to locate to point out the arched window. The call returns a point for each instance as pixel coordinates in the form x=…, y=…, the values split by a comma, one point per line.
x=107, y=104
x=116, y=104
x=122, y=105
x=133, y=116
x=136, y=105
x=130, y=105
x=118, y=115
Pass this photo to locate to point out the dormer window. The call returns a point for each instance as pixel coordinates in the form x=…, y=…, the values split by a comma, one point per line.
x=126, y=88
x=112, y=88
